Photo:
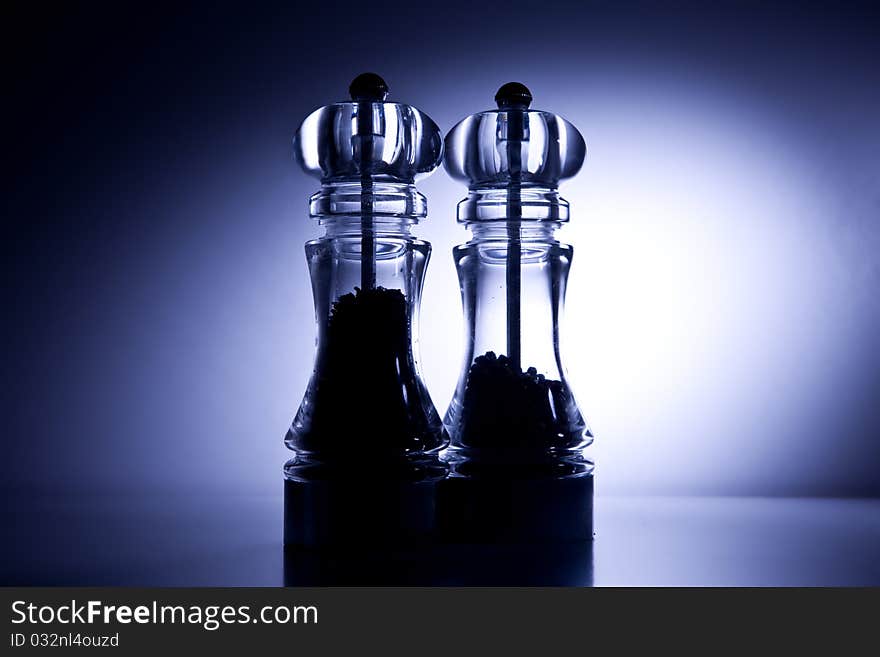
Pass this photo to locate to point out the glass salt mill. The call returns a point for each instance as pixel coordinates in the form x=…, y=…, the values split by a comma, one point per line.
x=366, y=434
x=517, y=436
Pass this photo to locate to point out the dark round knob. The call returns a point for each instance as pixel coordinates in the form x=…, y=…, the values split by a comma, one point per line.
x=513, y=95
x=368, y=87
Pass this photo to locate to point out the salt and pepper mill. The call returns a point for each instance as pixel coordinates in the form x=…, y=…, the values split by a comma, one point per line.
x=517, y=437
x=366, y=435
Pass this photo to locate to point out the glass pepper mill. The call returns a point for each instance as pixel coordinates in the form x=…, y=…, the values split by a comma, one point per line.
x=517, y=436
x=366, y=435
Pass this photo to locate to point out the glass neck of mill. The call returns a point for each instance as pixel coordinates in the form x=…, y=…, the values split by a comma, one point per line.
x=511, y=203
x=347, y=209
x=524, y=231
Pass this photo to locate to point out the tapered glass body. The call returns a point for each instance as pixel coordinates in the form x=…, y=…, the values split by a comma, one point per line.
x=504, y=412
x=366, y=392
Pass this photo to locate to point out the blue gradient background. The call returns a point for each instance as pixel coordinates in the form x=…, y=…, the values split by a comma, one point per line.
x=723, y=322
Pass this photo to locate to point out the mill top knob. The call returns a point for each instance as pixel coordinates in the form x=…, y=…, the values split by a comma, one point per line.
x=368, y=138
x=368, y=87
x=513, y=95
x=515, y=144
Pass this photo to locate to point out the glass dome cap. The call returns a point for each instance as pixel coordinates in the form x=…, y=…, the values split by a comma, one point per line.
x=368, y=137
x=513, y=144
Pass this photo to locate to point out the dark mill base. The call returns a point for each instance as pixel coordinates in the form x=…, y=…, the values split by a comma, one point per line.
x=515, y=510
x=375, y=510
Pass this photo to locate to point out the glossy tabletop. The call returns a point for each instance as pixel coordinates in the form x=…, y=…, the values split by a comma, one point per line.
x=192, y=540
